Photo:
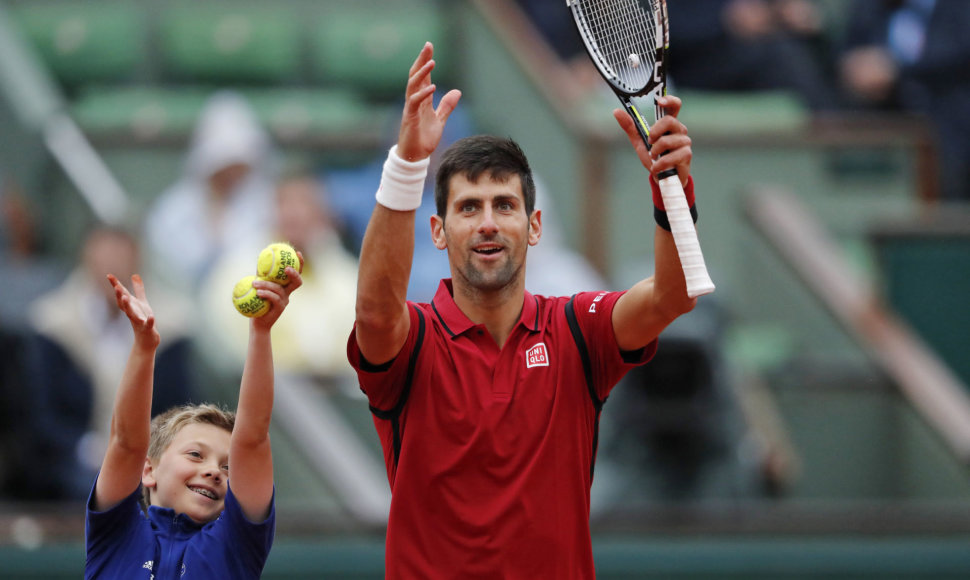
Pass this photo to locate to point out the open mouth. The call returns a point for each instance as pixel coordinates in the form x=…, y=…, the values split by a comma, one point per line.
x=488, y=250
x=202, y=491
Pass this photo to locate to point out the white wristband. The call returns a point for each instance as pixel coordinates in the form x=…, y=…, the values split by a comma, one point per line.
x=402, y=183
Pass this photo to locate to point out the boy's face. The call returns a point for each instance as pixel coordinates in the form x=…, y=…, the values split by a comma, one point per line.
x=191, y=476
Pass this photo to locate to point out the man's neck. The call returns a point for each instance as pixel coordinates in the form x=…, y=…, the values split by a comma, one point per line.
x=498, y=310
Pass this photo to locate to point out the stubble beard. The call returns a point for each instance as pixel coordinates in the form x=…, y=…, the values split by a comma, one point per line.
x=492, y=279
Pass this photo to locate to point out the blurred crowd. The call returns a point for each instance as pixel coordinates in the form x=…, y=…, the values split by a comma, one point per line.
x=236, y=194
x=852, y=56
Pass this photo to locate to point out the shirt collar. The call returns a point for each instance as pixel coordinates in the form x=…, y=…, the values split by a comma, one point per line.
x=167, y=519
x=456, y=323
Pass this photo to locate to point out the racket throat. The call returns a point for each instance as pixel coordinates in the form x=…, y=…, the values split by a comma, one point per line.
x=638, y=120
x=644, y=131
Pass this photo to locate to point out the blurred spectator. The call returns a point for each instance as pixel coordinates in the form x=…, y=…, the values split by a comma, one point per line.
x=308, y=341
x=12, y=426
x=77, y=335
x=722, y=45
x=28, y=272
x=913, y=55
x=751, y=45
x=223, y=200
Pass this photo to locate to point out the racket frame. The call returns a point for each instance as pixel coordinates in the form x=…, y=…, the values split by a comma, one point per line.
x=682, y=228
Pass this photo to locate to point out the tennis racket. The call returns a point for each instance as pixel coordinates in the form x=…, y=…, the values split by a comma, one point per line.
x=627, y=41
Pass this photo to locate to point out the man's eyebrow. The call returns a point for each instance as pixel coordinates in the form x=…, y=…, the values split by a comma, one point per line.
x=482, y=197
x=469, y=197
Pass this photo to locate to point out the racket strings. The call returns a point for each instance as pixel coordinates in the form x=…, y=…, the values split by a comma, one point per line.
x=624, y=36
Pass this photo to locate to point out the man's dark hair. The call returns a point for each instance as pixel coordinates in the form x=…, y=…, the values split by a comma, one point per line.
x=498, y=158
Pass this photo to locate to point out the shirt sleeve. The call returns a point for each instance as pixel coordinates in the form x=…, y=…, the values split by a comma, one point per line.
x=384, y=383
x=233, y=546
x=594, y=313
x=121, y=529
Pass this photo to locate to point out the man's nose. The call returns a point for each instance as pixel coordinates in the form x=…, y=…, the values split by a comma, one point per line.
x=488, y=224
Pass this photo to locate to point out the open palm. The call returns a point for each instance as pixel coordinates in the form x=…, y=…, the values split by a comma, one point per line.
x=421, y=123
x=136, y=308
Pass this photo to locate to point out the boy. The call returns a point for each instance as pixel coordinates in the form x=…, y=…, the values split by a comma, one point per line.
x=197, y=527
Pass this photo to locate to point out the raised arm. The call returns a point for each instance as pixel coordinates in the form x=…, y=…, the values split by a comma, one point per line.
x=131, y=419
x=250, y=454
x=653, y=303
x=388, y=246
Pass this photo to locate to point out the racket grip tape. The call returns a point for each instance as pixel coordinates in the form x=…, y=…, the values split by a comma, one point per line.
x=685, y=237
x=659, y=213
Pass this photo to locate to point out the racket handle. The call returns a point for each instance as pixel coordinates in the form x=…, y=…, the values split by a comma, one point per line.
x=685, y=237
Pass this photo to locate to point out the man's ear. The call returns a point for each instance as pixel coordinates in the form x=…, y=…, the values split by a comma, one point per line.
x=535, y=227
x=438, y=232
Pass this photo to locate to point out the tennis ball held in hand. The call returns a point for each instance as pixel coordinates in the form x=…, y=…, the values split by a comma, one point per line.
x=246, y=301
x=273, y=261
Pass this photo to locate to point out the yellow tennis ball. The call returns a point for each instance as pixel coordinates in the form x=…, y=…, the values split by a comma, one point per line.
x=246, y=301
x=273, y=261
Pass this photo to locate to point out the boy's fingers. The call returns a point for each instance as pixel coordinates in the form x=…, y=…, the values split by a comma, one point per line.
x=139, y=287
x=296, y=279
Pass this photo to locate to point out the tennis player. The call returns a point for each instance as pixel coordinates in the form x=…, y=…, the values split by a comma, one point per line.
x=487, y=399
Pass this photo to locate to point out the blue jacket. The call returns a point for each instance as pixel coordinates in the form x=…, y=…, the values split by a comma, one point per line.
x=122, y=543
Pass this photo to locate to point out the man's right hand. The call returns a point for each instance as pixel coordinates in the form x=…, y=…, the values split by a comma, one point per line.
x=421, y=123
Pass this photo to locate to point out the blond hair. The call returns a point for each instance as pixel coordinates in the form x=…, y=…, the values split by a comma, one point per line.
x=166, y=426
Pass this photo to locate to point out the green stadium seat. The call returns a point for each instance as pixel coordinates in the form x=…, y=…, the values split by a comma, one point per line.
x=326, y=118
x=85, y=42
x=139, y=113
x=228, y=43
x=372, y=51
x=294, y=114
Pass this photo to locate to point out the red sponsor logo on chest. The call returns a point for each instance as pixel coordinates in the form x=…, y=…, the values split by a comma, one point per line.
x=537, y=356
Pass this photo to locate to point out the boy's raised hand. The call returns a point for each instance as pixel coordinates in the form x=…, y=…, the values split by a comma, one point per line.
x=137, y=309
x=277, y=295
x=124, y=458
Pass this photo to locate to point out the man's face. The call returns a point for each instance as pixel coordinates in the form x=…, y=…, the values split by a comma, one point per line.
x=486, y=231
x=192, y=474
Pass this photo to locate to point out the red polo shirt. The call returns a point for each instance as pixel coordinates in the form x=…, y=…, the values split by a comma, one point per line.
x=489, y=451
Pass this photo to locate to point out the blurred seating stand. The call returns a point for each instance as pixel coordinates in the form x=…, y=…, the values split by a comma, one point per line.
x=322, y=74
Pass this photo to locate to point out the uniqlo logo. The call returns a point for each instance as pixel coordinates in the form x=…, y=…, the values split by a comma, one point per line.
x=537, y=356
